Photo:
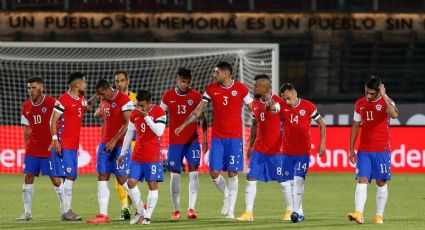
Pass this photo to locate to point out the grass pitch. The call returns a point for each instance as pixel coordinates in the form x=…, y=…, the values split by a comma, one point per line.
x=328, y=198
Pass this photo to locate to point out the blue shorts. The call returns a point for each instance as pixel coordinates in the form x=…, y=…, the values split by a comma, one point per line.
x=66, y=164
x=35, y=165
x=226, y=154
x=373, y=165
x=146, y=171
x=191, y=151
x=107, y=162
x=265, y=167
x=295, y=166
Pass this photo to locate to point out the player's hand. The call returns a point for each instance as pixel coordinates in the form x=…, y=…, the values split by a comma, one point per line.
x=249, y=153
x=121, y=160
x=352, y=156
x=382, y=89
x=322, y=150
x=270, y=105
x=205, y=147
x=179, y=129
x=142, y=112
x=111, y=145
x=56, y=146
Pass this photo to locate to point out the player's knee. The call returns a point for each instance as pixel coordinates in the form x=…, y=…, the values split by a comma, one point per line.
x=103, y=177
x=381, y=183
x=232, y=174
x=214, y=174
x=363, y=180
x=153, y=185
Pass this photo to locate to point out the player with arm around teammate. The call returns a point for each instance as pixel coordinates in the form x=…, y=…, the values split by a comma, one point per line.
x=36, y=113
x=148, y=121
x=372, y=112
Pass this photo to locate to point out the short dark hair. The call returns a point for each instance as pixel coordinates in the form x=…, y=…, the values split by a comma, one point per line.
x=373, y=82
x=35, y=79
x=74, y=76
x=103, y=84
x=121, y=72
x=144, y=95
x=262, y=76
x=185, y=73
x=286, y=86
x=225, y=66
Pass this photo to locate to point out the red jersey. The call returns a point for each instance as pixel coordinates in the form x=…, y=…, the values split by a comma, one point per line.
x=37, y=118
x=112, y=112
x=148, y=144
x=269, y=134
x=227, y=103
x=375, y=122
x=69, y=125
x=296, y=127
x=179, y=108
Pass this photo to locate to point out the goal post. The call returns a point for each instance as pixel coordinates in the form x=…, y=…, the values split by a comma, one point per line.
x=151, y=66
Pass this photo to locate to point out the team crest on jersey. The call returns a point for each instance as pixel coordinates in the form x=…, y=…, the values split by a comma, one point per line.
x=378, y=107
x=113, y=105
x=234, y=92
x=190, y=102
x=302, y=112
x=44, y=109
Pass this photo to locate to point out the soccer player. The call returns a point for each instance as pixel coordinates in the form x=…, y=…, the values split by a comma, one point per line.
x=65, y=128
x=373, y=112
x=116, y=109
x=266, y=160
x=36, y=113
x=180, y=101
x=148, y=121
x=227, y=97
x=296, y=115
x=122, y=82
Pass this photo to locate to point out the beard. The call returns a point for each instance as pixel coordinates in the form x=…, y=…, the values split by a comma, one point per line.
x=257, y=96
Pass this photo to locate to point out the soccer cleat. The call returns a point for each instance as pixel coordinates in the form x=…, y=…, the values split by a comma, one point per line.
x=99, y=219
x=246, y=216
x=230, y=217
x=287, y=215
x=175, y=215
x=295, y=217
x=138, y=217
x=25, y=217
x=70, y=216
x=356, y=216
x=125, y=214
x=225, y=208
x=146, y=221
x=378, y=219
x=191, y=214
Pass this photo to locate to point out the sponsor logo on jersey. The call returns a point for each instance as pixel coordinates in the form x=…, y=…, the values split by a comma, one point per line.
x=378, y=107
x=234, y=92
x=190, y=102
x=172, y=101
x=302, y=112
x=44, y=110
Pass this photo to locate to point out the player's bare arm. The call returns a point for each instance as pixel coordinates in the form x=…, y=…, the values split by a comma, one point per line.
x=26, y=134
x=322, y=128
x=353, y=136
x=192, y=117
x=252, y=137
x=126, y=144
x=123, y=130
x=391, y=109
x=90, y=101
x=53, y=131
x=272, y=106
x=204, y=125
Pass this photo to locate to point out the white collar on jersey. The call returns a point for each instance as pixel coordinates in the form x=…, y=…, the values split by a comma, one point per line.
x=44, y=96
x=178, y=92
x=229, y=86
x=70, y=94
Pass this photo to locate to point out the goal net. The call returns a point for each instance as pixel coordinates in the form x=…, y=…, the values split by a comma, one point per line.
x=151, y=66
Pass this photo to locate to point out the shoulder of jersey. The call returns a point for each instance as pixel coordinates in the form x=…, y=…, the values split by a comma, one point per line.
x=277, y=98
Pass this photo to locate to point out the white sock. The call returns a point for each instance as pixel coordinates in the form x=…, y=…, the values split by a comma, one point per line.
x=381, y=199
x=103, y=194
x=152, y=199
x=59, y=191
x=233, y=194
x=298, y=193
x=287, y=194
x=134, y=194
x=360, y=197
x=67, y=195
x=193, y=188
x=220, y=183
x=250, y=192
x=175, y=190
x=27, y=192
